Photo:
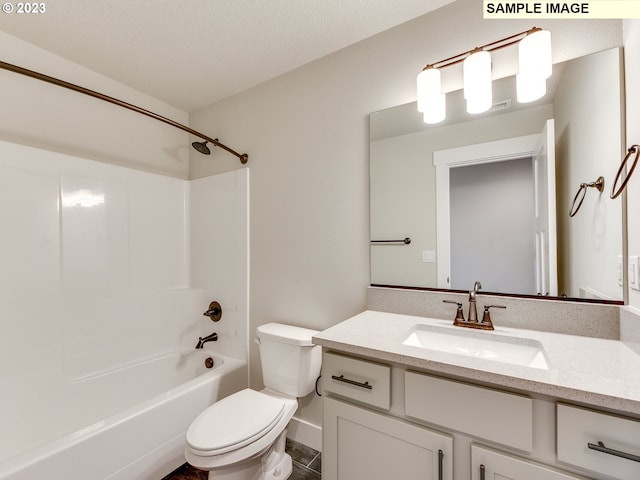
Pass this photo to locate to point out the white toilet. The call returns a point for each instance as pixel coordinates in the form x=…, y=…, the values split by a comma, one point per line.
x=242, y=436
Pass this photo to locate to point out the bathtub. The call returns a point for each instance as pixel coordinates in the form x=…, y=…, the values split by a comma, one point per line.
x=127, y=423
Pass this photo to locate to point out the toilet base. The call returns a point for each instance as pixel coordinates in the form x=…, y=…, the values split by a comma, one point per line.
x=251, y=470
x=281, y=472
x=274, y=464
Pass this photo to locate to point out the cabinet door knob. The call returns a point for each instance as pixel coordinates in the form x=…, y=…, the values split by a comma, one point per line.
x=600, y=447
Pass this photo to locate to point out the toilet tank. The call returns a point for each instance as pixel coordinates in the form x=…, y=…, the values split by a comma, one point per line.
x=290, y=361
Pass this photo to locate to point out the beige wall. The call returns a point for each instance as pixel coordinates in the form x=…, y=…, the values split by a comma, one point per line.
x=403, y=189
x=46, y=116
x=307, y=136
x=632, y=91
x=588, y=145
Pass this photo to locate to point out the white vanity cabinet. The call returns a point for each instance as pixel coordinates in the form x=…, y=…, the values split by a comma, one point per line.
x=383, y=422
x=361, y=440
x=488, y=464
x=391, y=405
x=362, y=444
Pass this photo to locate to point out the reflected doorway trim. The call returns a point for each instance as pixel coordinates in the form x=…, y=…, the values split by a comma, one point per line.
x=444, y=160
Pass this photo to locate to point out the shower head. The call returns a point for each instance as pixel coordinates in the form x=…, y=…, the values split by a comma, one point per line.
x=204, y=149
x=201, y=147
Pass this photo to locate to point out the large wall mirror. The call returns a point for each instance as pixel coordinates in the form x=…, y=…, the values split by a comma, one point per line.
x=487, y=197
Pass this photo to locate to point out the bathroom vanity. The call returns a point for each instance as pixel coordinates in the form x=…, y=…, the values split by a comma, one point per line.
x=412, y=397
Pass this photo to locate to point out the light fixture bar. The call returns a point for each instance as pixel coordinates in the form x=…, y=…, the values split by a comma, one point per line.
x=244, y=158
x=489, y=47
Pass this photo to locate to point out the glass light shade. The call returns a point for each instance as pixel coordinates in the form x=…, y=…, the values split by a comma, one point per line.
x=431, y=100
x=436, y=109
x=429, y=86
x=476, y=70
x=534, y=54
x=530, y=87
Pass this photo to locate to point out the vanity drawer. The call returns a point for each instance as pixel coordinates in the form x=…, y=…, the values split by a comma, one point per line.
x=359, y=380
x=488, y=464
x=497, y=416
x=578, y=428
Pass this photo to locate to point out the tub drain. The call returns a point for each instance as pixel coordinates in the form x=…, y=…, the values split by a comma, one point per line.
x=208, y=362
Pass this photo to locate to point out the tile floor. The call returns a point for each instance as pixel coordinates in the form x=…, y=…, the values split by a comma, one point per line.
x=306, y=465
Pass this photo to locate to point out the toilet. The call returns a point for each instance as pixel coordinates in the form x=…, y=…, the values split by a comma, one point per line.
x=242, y=436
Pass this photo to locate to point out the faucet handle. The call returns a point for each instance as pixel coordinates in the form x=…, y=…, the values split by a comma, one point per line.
x=459, y=312
x=486, y=317
x=214, y=312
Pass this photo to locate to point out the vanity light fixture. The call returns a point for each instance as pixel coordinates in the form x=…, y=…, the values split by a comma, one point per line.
x=534, y=62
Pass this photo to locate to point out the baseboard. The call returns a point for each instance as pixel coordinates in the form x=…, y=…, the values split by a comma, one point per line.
x=305, y=433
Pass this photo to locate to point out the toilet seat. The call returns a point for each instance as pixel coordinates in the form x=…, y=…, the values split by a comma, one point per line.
x=234, y=422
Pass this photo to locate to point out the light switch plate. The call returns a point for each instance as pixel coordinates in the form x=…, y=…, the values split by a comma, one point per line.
x=619, y=270
x=428, y=256
x=634, y=272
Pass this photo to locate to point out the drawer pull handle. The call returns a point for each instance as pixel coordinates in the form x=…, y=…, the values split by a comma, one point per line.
x=600, y=447
x=352, y=382
x=482, y=472
x=440, y=459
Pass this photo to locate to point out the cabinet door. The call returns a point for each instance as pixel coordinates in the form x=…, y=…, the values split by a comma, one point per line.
x=361, y=444
x=488, y=464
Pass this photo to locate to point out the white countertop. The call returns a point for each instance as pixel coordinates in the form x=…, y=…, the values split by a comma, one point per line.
x=594, y=371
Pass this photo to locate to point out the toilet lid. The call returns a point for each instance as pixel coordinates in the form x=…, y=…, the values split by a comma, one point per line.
x=233, y=422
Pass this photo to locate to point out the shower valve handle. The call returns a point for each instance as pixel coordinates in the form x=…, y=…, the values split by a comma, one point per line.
x=214, y=312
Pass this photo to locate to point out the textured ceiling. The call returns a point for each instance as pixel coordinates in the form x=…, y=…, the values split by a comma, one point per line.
x=192, y=53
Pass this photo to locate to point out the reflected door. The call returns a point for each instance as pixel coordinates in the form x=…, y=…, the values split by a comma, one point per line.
x=542, y=258
x=544, y=167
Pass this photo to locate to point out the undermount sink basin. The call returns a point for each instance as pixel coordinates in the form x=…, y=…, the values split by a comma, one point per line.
x=486, y=345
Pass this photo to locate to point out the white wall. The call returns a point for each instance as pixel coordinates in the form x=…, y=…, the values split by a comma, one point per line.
x=307, y=137
x=88, y=286
x=219, y=256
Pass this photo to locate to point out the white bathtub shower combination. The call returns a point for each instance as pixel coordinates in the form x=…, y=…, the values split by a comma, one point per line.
x=124, y=424
x=105, y=274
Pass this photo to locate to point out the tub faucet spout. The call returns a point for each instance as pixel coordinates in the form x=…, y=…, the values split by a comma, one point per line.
x=209, y=338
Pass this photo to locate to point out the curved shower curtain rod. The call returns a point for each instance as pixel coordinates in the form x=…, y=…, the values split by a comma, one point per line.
x=199, y=146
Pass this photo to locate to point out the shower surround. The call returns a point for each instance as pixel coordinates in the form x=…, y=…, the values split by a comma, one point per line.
x=102, y=267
